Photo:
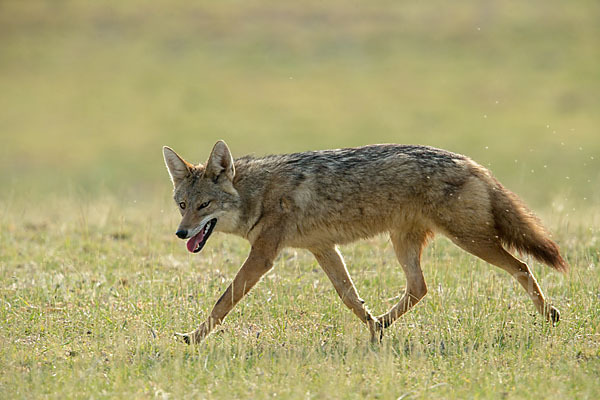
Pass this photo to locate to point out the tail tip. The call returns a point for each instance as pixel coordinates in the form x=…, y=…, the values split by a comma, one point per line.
x=561, y=265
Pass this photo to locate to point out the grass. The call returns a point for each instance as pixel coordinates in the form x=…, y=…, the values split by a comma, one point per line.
x=90, y=301
x=93, y=282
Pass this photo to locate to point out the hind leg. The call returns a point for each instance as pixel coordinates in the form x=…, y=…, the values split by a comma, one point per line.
x=408, y=251
x=495, y=254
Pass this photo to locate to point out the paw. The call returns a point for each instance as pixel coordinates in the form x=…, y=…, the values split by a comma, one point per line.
x=376, y=329
x=185, y=337
x=194, y=337
x=553, y=315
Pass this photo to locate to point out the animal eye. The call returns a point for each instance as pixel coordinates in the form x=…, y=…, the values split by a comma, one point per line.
x=203, y=205
x=182, y=205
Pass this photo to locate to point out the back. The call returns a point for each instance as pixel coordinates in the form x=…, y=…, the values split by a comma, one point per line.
x=354, y=193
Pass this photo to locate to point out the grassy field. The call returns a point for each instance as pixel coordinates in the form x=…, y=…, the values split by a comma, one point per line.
x=93, y=283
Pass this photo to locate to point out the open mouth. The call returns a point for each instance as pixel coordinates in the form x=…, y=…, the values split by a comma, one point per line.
x=197, y=242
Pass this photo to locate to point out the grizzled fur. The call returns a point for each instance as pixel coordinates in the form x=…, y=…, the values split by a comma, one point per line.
x=319, y=199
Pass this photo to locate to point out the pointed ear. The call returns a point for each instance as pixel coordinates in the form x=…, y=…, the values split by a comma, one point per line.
x=220, y=162
x=178, y=168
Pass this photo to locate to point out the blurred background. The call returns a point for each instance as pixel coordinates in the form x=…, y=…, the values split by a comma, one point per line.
x=90, y=91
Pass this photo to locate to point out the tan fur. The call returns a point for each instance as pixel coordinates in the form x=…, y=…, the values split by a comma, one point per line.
x=317, y=200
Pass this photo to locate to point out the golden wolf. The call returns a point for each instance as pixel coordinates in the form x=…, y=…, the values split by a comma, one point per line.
x=318, y=199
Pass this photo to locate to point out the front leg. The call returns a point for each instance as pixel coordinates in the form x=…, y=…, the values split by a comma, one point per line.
x=258, y=263
x=332, y=263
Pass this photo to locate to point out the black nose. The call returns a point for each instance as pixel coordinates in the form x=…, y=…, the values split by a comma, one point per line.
x=182, y=233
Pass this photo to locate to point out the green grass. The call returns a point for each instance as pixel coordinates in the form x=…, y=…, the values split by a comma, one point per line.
x=91, y=298
x=93, y=283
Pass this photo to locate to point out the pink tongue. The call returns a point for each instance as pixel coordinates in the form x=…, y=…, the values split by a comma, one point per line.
x=194, y=241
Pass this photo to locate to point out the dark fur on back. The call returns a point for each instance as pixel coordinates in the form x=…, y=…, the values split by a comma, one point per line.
x=356, y=157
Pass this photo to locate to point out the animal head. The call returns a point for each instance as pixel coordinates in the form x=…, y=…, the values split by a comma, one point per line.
x=204, y=194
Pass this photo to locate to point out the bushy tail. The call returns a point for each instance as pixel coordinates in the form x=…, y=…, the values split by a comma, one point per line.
x=519, y=229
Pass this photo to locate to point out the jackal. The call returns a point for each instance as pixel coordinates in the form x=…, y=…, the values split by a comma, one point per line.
x=318, y=199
